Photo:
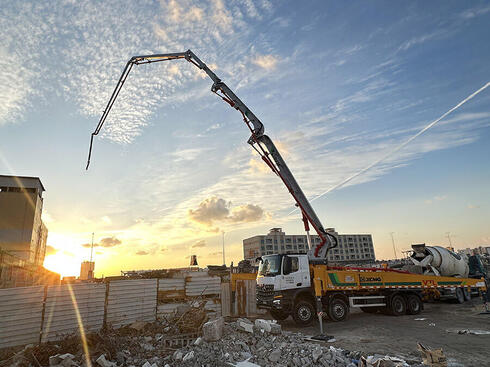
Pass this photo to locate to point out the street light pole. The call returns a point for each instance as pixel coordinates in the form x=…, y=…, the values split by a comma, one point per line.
x=393, y=241
x=224, y=262
x=448, y=235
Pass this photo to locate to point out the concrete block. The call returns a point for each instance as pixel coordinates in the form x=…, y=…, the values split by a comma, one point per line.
x=213, y=330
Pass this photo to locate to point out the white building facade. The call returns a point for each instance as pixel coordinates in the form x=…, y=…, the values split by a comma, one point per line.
x=352, y=248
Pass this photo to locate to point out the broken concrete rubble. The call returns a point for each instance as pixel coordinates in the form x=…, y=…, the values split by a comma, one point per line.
x=241, y=343
x=103, y=362
x=213, y=330
x=268, y=325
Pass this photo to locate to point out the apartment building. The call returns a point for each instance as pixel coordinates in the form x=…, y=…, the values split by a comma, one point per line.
x=352, y=248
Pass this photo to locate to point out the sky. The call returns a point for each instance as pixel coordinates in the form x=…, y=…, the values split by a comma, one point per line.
x=338, y=85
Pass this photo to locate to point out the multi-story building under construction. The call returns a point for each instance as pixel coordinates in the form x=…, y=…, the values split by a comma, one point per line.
x=22, y=232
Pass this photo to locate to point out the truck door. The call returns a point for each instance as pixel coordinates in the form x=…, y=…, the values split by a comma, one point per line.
x=295, y=272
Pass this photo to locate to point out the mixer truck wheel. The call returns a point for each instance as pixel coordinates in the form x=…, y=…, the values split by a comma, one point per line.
x=459, y=295
x=467, y=294
x=398, y=306
x=337, y=310
x=414, y=304
x=304, y=313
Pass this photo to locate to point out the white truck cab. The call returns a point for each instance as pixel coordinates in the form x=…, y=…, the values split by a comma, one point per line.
x=281, y=279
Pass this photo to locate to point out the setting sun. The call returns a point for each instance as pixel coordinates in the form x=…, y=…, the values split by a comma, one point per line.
x=63, y=264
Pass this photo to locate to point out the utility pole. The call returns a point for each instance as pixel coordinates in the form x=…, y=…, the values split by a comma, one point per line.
x=90, y=264
x=224, y=262
x=393, y=241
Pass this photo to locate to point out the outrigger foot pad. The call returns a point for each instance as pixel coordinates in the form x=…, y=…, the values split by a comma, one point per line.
x=324, y=338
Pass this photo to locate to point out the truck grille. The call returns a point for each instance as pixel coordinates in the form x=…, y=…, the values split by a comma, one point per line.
x=265, y=291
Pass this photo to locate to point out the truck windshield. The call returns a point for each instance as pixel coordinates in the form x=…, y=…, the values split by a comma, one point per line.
x=270, y=265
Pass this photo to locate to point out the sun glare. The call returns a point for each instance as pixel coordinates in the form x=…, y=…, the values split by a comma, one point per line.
x=63, y=264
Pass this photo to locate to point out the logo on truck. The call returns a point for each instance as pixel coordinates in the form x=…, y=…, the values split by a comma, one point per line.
x=370, y=279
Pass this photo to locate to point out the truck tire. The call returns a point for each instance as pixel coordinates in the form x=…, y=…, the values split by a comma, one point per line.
x=459, y=295
x=279, y=315
x=467, y=294
x=337, y=310
x=303, y=313
x=414, y=304
x=397, y=306
x=370, y=309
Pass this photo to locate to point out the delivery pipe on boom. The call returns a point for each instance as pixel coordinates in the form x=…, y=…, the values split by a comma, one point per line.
x=258, y=140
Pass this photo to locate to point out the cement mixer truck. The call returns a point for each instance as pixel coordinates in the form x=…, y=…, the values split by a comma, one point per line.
x=440, y=261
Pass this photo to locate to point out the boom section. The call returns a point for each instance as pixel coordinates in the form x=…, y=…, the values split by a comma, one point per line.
x=258, y=140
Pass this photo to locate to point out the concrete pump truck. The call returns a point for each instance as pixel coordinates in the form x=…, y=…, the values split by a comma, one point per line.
x=305, y=286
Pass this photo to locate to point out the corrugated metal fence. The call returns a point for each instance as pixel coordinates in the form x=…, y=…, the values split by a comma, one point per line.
x=70, y=307
x=130, y=301
x=20, y=315
x=45, y=313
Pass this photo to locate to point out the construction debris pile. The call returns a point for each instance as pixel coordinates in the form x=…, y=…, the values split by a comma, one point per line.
x=240, y=343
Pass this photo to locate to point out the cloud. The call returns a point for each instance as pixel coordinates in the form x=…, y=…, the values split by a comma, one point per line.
x=200, y=243
x=246, y=213
x=142, y=252
x=36, y=29
x=267, y=62
x=188, y=154
x=473, y=206
x=164, y=249
x=214, y=209
x=210, y=210
x=422, y=39
x=50, y=250
x=110, y=242
x=436, y=198
x=475, y=12
x=106, y=220
x=105, y=242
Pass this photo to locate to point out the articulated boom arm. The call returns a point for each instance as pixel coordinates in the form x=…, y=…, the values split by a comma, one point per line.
x=258, y=140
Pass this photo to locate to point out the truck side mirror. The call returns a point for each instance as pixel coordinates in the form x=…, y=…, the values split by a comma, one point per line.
x=287, y=265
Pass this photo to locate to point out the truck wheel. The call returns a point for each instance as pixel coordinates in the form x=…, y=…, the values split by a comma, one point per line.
x=304, y=313
x=459, y=295
x=338, y=310
x=414, y=304
x=467, y=294
x=279, y=315
x=370, y=309
x=398, y=306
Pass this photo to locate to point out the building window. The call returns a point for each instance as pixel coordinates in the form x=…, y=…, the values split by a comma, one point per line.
x=269, y=247
x=275, y=248
x=262, y=241
x=275, y=241
x=288, y=247
x=288, y=240
x=262, y=247
x=282, y=240
x=300, y=240
x=269, y=240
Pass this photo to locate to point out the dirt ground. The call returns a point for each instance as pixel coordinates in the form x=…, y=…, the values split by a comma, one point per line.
x=398, y=336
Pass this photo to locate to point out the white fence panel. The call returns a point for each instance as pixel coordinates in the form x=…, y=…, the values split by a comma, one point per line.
x=131, y=300
x=202, y=285
x=171, y=284
x=20, y=315
x=71, y=307
x=168, y=309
